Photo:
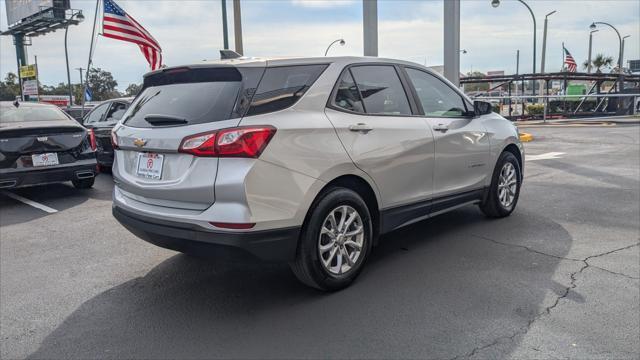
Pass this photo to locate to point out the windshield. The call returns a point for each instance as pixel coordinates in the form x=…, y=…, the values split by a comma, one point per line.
x=26, y=112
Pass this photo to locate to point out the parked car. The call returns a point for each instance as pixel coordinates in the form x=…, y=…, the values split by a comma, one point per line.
x=305, y=160
x=40, y=144
x=77, y=112
x=101, y=120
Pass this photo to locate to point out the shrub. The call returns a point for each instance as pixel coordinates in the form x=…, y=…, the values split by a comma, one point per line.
x=535, y=109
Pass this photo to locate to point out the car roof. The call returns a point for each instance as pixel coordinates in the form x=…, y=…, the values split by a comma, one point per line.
x=288, y=61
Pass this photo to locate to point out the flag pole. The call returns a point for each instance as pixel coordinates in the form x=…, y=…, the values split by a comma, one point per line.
x=93, y=36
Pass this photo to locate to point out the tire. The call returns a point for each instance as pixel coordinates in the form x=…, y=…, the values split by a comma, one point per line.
x=309, y=265
x=493, y=206
x=83, y=183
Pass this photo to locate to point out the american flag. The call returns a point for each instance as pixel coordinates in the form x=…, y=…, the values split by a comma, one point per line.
x=569, y=61
x=117, y=24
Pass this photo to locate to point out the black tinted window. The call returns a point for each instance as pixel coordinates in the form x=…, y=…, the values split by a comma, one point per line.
x=381, y=90
x=183, y=104
x=116, y=111
x=347, y=96
x=95, y=115
x=28, y=112
x=436, y=97
x=281, y=87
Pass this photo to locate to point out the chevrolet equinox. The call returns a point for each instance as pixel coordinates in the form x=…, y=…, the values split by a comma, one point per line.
x=305, y=161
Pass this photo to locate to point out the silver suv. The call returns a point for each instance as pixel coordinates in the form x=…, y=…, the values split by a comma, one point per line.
x=305, y=160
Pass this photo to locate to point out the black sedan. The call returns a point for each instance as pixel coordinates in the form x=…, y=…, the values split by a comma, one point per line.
x=101, y=120
x=41, y=144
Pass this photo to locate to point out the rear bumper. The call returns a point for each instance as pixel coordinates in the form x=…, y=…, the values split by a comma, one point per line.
x=41, y=176
x=278, y=245
x=105, y=158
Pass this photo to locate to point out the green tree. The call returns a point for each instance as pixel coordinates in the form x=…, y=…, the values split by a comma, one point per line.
x=9, y=88
x=102, y=84
x=480, y=86
x=599, y=62
x=133, y=90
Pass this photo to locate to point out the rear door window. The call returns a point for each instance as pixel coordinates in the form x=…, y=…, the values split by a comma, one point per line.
x=116, y=111
x=283, y=86
x=381, y=90
x=96, y=115
x=347, y=95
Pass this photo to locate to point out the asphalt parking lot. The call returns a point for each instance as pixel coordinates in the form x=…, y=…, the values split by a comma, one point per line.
x=557, y=279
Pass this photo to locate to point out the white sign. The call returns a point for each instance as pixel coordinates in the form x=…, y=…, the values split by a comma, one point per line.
x=30, y=87
x=20, y=9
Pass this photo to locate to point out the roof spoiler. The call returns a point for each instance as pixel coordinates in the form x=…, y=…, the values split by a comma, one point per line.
x=229, y=54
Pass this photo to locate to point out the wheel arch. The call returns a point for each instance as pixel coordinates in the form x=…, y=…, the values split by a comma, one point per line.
x=360, y=186
x=513, y=148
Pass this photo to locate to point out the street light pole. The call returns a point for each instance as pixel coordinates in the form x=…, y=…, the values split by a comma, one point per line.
x=590, y=46
x=622, y=51
x=225, y=31
x=620, y=77
x=544, y=47
x=78, y=15
x=495, y=4
x=341, y=41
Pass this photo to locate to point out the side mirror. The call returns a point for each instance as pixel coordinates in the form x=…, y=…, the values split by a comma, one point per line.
x=482, y=107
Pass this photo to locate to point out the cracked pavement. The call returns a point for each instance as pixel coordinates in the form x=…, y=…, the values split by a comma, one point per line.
x=557, y=279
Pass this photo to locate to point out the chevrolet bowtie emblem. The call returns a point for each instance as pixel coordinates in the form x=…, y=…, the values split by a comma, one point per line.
x=139, y=142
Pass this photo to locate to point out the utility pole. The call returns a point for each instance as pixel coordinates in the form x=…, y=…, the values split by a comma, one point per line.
x=452, y=41
x=225, y=31
x=237, y=26
x=21, y=58
x=370, y=27
x=81, y=81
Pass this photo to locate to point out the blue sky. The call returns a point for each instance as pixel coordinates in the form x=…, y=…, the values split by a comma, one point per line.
x=191, y=30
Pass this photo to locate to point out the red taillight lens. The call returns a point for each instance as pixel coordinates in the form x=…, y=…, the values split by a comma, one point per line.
x=114, y=141
x=235, y=226
x=243, y=141
x=92, y=139
x=247, y=142
x=199, y=144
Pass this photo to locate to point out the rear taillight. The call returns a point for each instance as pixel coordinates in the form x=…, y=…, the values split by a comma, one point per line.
x=92, y=139
x=114, y=141
x=246, y=142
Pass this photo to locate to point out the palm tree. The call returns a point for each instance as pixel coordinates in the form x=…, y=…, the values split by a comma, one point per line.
x=599, y=62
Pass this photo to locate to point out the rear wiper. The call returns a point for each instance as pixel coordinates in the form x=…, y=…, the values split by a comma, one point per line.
x=165, y=120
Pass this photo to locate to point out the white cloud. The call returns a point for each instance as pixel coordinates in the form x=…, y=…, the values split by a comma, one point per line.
x=322, y=3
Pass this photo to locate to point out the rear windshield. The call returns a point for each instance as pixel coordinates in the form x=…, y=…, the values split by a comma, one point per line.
x=10, y=113
x=188, y=104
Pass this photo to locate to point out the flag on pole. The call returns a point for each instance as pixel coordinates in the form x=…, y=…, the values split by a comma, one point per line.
x=569, y=61
x=117, y=24
x=88, y=95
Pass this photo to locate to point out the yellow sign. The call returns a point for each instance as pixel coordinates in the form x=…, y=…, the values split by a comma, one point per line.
x=28, y=71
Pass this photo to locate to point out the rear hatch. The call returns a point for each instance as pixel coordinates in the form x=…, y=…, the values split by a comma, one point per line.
x=28, y=131
x=176, y=103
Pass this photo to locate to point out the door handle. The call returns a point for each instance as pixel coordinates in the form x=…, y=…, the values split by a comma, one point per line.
x=360, y=127
x=441, y=127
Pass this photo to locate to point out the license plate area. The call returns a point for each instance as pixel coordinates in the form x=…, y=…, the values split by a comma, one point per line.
x=47, y=159
x=150, y=165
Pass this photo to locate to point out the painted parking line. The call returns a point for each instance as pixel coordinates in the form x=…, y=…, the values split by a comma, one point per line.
x=36, y=205
x=545, y=156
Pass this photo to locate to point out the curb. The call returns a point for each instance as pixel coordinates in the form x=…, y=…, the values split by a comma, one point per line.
x=525, y=137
